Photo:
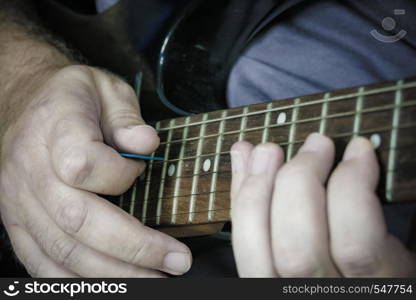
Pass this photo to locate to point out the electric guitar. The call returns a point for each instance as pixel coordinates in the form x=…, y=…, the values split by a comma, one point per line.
x=188, y=193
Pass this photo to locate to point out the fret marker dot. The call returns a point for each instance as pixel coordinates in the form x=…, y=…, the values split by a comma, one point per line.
x=376, y=140
x=281, y=119
x=171, y=170
x=207, y=165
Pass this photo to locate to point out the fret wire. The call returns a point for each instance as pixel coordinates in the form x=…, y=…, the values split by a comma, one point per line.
x=121, y=202
x=195, y=195
x=147, y=185
x=215, y=169
x=393, y=141
x=229, y=209
x=217, y=191
x=267, y=121
x=358, y=111
x=324, y=114
x=348, y=134
x=197, y=212
x=179, y=172
x=227, y=192
x=292, y=133
x=310, y=103
x=301, y=121
x=133, y=198
x=243, y=123
x=226, y=209
x=197, y=168
x=302, y=141
x=163, y=175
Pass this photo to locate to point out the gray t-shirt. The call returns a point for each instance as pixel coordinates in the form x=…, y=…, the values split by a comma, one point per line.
x=327, y=45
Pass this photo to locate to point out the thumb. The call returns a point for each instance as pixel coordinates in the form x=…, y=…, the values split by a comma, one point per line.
x=122, y=124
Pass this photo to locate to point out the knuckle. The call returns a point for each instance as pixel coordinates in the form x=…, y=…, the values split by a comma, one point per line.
x=343, y=169
x=365, y=174
x=255, y=187
x=74, y=166
x=43, y=108
x=74, y=71
x=297, y=264
x=71, y=216
x=270, y=147
x=240, y=146
x=63, y=128
x=63, y=250
x=122, y=88
x=326, y=144
x=127, y=115
x=356, y=261
x=141, y=249
x=294, y=172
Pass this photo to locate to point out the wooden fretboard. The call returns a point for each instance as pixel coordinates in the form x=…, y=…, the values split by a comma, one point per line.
x=192, y=185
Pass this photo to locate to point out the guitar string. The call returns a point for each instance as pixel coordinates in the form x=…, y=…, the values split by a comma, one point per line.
x=340, y=136
x=217, y=191
x=343, y=135
x=223, y=172
x=310, y=103
x=229, y=171
x=300, y=121
x=186, y=213
x=374, y=109
x=223, y=209
x=228, y=209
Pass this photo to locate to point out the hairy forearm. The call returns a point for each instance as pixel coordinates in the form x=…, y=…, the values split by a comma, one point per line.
x=27, y=55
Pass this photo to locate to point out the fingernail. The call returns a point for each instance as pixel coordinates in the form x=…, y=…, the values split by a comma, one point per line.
x=357, y=147
x=313, y=143
x=237, y=161
x=177, y=263
x=260, y=160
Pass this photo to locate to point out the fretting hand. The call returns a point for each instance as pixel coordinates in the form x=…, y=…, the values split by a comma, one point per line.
x=287, y=222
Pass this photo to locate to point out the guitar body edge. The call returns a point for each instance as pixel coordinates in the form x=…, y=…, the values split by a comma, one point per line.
x=192, y=230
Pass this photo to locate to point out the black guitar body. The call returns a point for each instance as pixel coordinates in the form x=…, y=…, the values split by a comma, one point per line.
x=187, y=60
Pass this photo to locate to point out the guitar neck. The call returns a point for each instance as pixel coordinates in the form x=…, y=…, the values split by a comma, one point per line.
x=192, y=185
